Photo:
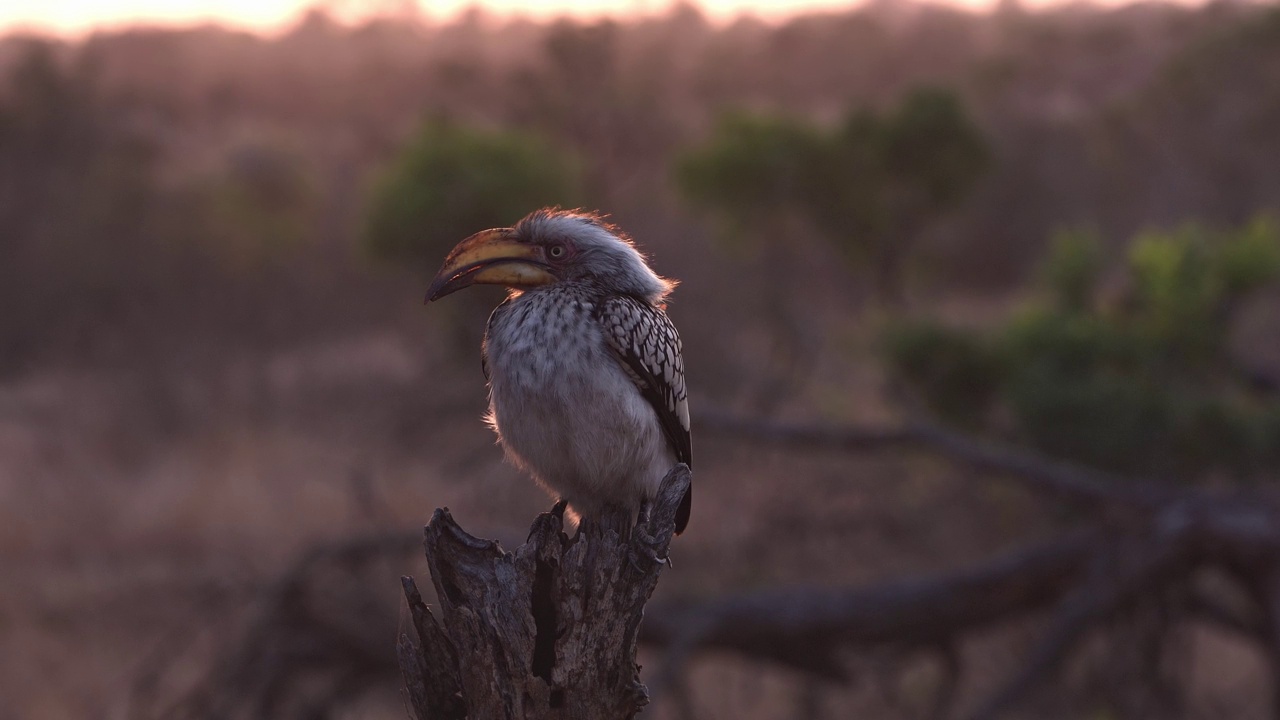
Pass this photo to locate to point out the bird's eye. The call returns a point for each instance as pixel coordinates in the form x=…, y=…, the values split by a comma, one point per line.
x=556, y=251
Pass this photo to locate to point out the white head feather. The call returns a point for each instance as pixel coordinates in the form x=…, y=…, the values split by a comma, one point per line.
x=601, y=253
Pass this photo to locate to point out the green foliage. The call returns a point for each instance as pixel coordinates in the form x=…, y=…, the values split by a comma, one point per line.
x=1143, y=385
x=958, y=372
x=753, y=168
x=1073, y=270
x=930, y=147
x=1078, y=388
x=1250, y=260
x=1187, y=283
x=870, y=185
x=453, y=181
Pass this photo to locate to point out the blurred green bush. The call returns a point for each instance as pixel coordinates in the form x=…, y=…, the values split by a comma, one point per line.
x=452, y=181
x=1139, y=382
x=871, y=185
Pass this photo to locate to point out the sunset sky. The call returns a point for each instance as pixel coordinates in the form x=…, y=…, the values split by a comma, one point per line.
x=79, y=16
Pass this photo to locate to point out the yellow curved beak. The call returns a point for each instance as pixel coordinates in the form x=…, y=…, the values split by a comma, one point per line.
x=491, y=257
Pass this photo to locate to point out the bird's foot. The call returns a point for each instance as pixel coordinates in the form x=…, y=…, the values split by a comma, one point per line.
x=551, y=521
x=643, y=560
x=644, y=548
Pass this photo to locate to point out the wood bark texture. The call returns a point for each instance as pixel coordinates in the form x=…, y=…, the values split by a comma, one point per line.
x=547, y=631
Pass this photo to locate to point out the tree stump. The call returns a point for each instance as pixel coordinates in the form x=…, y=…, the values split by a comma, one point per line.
x=547, y=631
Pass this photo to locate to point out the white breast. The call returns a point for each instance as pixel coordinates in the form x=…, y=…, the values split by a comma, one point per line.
x=565, y=409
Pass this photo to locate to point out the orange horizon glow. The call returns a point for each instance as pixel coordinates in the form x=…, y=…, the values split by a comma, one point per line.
x=73, y=18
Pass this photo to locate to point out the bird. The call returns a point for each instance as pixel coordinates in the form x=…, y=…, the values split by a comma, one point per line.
x=584, y=367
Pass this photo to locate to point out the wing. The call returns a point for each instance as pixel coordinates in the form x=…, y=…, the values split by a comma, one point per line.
x=646, y=341
x=488, y=329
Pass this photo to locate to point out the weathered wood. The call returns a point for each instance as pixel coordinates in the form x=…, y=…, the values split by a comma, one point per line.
x=429, y=666
x=547, y=631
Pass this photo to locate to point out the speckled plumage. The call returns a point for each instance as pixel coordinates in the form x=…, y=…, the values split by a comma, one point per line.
x=586, y=378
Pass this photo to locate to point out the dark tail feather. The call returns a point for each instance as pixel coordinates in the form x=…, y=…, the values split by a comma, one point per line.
x=682, y=512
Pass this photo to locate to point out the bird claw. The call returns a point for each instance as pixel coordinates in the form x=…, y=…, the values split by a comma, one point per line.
x=650, y=560
x=552, y=520
x=643, y=546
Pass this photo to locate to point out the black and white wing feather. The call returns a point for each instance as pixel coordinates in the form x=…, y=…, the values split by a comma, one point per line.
x=646, y=342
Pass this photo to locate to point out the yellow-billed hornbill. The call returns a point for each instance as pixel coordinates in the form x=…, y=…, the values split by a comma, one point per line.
x=586, y=380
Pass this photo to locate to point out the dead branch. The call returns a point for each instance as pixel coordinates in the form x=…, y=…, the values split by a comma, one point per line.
x=1061, y=479
x=1201, y=605
x=429, y=667
x=806, y=628
x=317, y=621
x=547, y=631
x=1113, y=583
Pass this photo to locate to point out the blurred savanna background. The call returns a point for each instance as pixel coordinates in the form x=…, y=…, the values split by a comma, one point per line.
x=937, y=263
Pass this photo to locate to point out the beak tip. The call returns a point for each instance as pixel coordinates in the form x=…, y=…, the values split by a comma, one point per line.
x=436, y=291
